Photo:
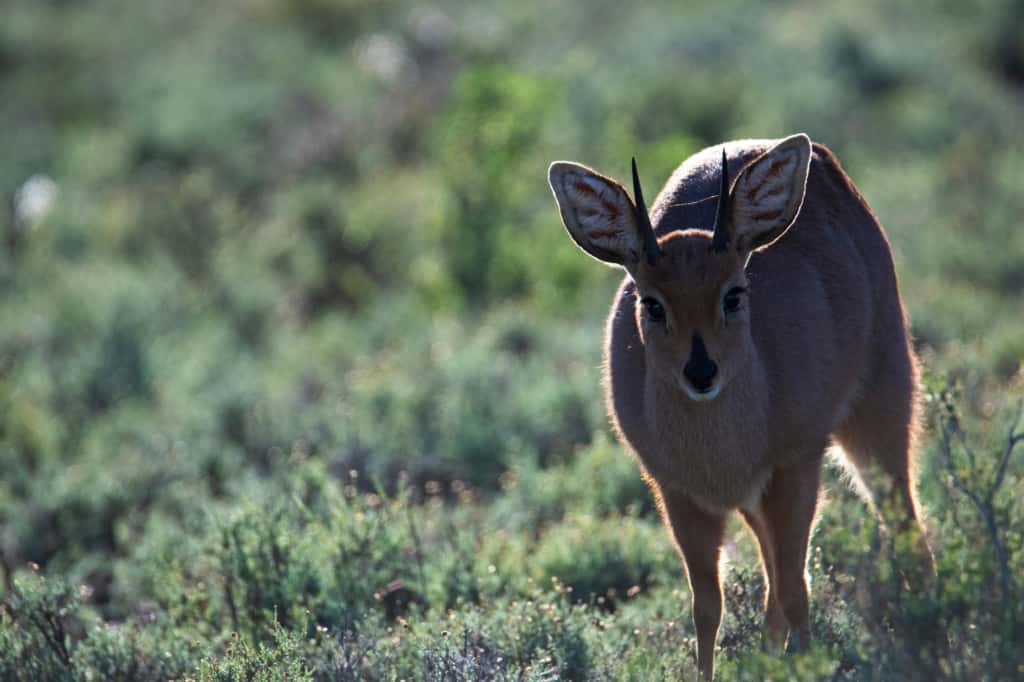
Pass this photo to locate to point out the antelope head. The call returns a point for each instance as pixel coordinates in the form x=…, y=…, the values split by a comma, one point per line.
x=693, y=302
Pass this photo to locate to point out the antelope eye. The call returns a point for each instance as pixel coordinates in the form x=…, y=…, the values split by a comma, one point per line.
x=654, y=309
x=733, y=299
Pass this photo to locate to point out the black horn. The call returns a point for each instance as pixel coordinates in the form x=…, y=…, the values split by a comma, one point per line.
x=720, y=239
x=644, y=220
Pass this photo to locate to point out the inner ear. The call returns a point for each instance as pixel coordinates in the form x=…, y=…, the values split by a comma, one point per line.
x=768, y=194
x=597, y=212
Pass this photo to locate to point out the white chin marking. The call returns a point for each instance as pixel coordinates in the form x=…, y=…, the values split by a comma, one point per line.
x=696, y=396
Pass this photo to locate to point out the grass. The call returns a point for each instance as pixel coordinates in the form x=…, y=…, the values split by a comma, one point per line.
x=299, y=374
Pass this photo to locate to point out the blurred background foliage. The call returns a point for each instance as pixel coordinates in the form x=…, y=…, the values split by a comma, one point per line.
x=299, y=371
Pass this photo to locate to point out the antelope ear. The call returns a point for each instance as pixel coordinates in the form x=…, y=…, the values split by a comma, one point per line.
x=768, y=194
x=597, y=212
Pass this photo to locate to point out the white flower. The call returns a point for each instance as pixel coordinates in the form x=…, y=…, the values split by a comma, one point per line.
x=34, y=199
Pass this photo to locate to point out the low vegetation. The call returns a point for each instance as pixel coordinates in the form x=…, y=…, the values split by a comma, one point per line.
x=299, y=373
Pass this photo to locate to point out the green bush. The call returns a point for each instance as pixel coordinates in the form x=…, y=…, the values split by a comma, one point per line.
x=300, y=375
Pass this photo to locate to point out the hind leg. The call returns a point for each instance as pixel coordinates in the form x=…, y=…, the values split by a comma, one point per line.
x=782, y=522
x=878, y=437
x=775, y=626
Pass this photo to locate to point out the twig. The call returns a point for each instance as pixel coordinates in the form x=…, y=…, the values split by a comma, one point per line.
x=229, y=580
x=52, y=629
x=5, y=571
x=418, y=548
x=984, y=504
x=1011, y=441
x=694, y=202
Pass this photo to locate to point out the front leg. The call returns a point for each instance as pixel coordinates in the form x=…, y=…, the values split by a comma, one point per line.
x=698, y=535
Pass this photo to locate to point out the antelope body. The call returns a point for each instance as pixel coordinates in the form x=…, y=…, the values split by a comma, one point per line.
x=752, y=331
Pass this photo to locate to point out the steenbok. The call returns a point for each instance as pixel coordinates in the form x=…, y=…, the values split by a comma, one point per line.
x=759, y=323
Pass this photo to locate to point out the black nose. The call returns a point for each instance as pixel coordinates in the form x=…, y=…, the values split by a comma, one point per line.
x=700, y=371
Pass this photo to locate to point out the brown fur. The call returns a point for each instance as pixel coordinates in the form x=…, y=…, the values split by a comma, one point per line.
x=819, y=353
